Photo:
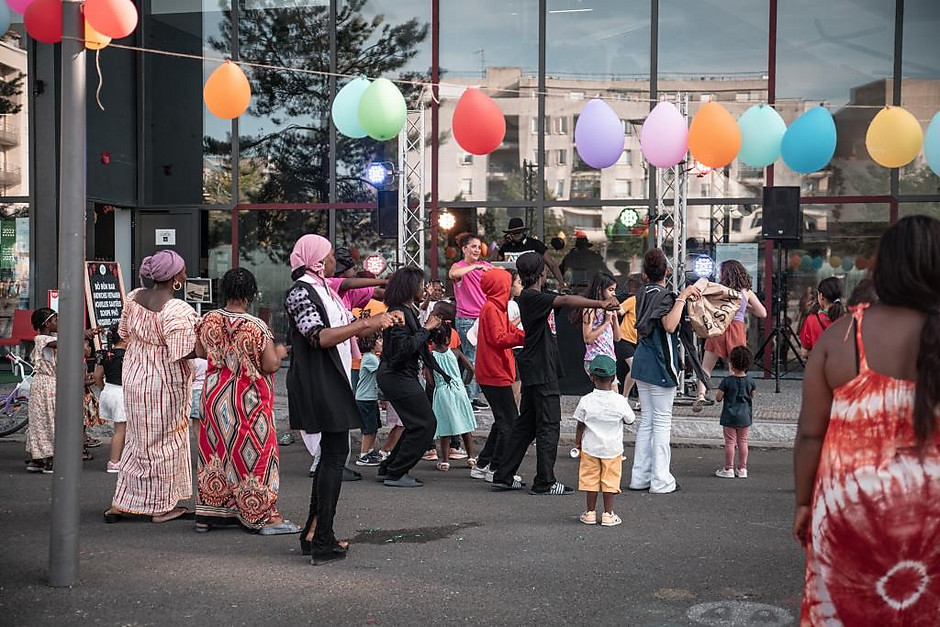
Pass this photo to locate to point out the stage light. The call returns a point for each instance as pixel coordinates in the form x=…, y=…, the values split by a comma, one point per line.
x=377, y=174
x=703, y=266
x=446, y=221
x=628, y=218
x=374, y=263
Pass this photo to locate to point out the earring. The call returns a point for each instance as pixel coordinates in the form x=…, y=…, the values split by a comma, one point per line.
x=177, y=286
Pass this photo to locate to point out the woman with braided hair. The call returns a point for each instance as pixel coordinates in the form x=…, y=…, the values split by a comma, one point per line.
x=866, y=458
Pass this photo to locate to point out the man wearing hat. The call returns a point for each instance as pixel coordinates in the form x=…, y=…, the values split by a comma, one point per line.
x=516, y=241
x=583, y=262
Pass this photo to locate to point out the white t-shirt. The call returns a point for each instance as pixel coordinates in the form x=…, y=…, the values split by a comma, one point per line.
x=199, y=367
x=424, y=314
x=339, y=316
x=603, y=413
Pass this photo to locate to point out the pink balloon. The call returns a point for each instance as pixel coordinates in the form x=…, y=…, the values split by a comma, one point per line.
x=19, y=6
x=664, y=137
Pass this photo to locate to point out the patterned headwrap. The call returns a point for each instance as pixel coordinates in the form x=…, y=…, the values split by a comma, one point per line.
x=309, y=252
x=161, y=266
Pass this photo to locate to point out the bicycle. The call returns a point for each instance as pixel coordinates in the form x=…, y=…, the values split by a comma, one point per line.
x=14, y=407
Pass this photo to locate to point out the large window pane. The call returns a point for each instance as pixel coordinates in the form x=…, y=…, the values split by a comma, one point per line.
x=596, y=51
x=14, y=121
x=920, y=86
x=188, y=150
x=716, y=51
x=14, y=263
x=493, y=45
x=840, y=54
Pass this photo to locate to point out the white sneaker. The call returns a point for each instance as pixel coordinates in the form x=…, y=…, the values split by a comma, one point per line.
x=742, y=473
x=383, y=455
x=610, y=519
x=480, y=473
x=490, y=473
x=727, y=473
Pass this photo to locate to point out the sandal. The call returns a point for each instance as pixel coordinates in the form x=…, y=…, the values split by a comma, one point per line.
x=91, y=442
x=177, y=512
x=697, y=405
x=202, y=528
x=471, y=462
x=34, y=465
x=86, y=456
x=443, y=466
x=282, y=528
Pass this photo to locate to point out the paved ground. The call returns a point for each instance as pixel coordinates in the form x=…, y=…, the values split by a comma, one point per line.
x=716, y=553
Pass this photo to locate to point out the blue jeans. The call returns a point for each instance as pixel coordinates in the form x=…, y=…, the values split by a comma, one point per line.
x=469, y=350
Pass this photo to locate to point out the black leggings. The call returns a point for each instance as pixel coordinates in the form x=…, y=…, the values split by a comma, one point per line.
x=505, y=413
x=324, y=493
x=420, y=424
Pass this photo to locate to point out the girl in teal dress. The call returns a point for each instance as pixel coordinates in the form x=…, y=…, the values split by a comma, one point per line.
x=451, y=404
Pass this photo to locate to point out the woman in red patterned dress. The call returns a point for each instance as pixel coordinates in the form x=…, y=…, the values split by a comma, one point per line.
x=238, y=457
x=867, y=450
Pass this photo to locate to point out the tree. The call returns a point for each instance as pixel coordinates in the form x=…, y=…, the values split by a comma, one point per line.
x=298, y=104
x=10, y=88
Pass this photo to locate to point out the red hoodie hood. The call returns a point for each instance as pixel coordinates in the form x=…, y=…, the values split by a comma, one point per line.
x=496, y=284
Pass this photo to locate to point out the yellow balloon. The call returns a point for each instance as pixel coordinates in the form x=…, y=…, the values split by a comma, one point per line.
x=93, y=39
x=894, y=137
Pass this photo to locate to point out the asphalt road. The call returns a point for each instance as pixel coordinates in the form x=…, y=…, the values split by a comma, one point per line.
x=716, y=553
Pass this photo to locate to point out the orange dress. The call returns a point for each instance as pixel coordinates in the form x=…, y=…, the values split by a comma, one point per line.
x=874, y=552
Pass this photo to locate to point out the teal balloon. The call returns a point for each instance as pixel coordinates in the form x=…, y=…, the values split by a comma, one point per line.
x=847, y=263
x=345, y=109
x=382, y=110
x=4, y=17
x=810, y=142
x=806, y=262
x=762, y=130
x=932, y=144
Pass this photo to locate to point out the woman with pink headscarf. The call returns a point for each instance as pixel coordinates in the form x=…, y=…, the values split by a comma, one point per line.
x=155, y=471
x=319, y=392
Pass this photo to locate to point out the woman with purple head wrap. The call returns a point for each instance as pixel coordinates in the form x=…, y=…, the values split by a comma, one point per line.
x=160, y=331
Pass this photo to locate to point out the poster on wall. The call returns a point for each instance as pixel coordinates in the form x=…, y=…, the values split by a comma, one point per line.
x=104, y=292
x=7, y=244
x=744, y=253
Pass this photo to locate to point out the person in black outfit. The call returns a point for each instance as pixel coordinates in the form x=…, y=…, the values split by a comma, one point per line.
x=516, y=241
x=540, y=409
x=319, y=393
x=402, y=346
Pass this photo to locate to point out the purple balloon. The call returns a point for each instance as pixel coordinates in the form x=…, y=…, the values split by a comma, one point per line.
x=664, y=137
x=598, y=135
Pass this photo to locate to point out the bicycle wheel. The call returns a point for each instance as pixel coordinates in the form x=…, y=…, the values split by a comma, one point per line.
x=14, y=416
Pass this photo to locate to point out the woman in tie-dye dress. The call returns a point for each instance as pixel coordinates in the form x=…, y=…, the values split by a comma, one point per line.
x=866, y=457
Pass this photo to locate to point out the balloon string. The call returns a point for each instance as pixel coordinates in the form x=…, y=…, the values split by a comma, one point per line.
x=428, y=85
x=100, y=78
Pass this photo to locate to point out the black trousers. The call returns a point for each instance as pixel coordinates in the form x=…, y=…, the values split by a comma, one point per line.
x=324, y=493
x=505, y=414
x=539, y=420
x=420, y=424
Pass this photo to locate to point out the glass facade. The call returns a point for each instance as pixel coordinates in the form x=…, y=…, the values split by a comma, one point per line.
x=281, y=170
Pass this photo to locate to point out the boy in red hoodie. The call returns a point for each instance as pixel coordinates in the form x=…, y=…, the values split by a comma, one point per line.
x=496, y=368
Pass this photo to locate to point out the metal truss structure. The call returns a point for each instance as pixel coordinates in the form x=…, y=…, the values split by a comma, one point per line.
x=673, y=183
x=411, y=190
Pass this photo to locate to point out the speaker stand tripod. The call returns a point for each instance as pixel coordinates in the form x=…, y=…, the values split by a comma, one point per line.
x=781, y=334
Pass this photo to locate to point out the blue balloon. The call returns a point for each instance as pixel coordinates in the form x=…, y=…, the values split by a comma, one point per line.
x=817, y=263
x=345, y=109
x=762, y=130
x=4, y=17
x=932, y=144
x=810, y=142
x=847, y=263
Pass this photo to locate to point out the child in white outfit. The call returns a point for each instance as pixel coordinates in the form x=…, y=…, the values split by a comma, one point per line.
x=599, y=438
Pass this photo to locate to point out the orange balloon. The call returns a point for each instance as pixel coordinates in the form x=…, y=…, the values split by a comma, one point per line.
x=114, y=18
x=714, y=136
x=227, y=92
x=93, y=39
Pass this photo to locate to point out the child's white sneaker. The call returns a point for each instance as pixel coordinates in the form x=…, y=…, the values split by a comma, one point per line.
x=589, y=518
x=727, y=473
x=479, y=473
x=610, y=519
x=742, y=473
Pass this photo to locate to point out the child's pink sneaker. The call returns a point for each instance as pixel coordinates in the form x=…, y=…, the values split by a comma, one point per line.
x=114, y=467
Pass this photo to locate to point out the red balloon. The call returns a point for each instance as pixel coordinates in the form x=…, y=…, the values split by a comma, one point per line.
x=43, y=20
x=479, y=126
x=114, y=18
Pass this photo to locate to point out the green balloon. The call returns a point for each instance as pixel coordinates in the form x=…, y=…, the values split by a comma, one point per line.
x=382, y=110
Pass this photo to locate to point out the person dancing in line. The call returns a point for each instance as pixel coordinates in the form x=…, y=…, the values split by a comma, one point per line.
x=828, y=309
x=156, y=471
x=319, y=392
x=402, y=347
x=656, y=370
x=496, y=369
x=451, y=404
x=866, y=458
x=466, y=275
x=599, y=327
x=540, y=412
x=238, y=477
x=735, y=276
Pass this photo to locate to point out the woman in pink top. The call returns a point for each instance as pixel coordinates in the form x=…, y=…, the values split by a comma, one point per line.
x=466, y=275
